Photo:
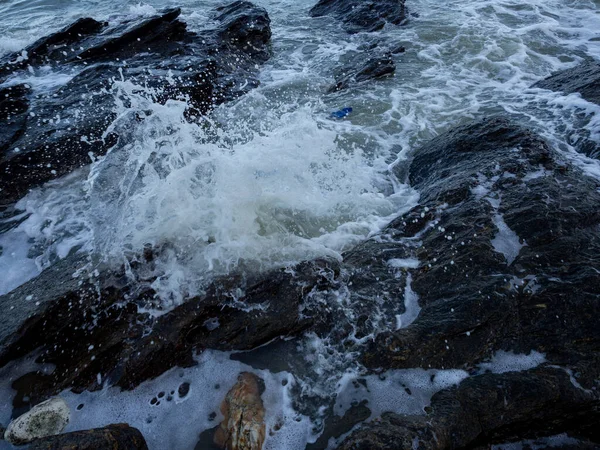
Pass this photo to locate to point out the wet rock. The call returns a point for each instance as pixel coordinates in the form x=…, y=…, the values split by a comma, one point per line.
x=362, y=15
x=336, y=426
x=48, y=134
x=584, y=79
x=95, y=328
x=13, y=108
x=361, y=68
x=488, y=409
x=502, y=254
x=115, y=437
x=45, y=419
x=243, y=425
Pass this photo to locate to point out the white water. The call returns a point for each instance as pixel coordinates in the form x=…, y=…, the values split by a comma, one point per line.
x=281, y=182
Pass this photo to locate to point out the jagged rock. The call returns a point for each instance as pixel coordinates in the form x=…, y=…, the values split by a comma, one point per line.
x=337, y=426
x=84, y=331
x=503, y=255
x=44, y=136
x=45, y=419
x=243, y=425
x=507, y=234
x=485, y=409
x=363, y=67
x=362, y=15
x=115, y=437
x=584, y=79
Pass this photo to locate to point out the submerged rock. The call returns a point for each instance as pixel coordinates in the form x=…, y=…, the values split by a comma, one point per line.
x=243, y=425
x=114, y=437
x=44, y=135
x=502, y=255
x=45, y=419
x=362, y=15
x=363, y=67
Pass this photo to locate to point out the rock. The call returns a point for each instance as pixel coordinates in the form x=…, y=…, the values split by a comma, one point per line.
x=485, y=187
x=337, y=426
x=584, y=79
x=487, y=409
x=85, y=332
x=363, y=67
x=243, y=425
x=14, y=104
x=45, y=419
x=44, y=139
x=115, y=437
x=362, y=15
x=503, y=255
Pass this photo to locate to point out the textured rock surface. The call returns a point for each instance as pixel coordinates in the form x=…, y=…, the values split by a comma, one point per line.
x=129, y=347
x=243, y=425
x=584, y=79
x=363, y=67
x=362, y=15
x=485, y=409
x=114, y=437
x=507, y=239
x=41, y=135
x=45, y=419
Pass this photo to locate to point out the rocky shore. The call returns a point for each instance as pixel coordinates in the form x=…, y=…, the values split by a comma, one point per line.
x=500, y=257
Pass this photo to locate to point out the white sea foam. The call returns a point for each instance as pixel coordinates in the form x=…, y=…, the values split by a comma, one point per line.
x=175, y=421
x=411, y=303
x=406, y=391
x=506, y=240
x=503, y=361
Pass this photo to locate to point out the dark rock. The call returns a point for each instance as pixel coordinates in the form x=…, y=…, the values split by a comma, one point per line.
x=115, y=437
x=57, y=132
x=96, y=328
x=362, y=15
x=475, y=181
x=488, y=409
x=584, y=79
x=13, y=108
x=398, y=49
x=361, y=68
x=184, y=389
x=336, y=426
x=507, y=239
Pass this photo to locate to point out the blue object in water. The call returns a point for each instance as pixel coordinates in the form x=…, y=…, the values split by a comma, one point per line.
x=341, y=113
